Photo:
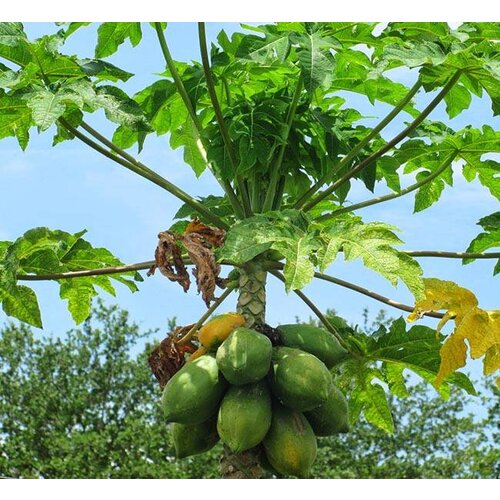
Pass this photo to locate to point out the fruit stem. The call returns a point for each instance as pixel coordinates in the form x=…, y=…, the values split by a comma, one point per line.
x=206, y=315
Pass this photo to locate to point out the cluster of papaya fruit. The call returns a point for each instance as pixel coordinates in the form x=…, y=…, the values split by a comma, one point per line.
x=241, y=389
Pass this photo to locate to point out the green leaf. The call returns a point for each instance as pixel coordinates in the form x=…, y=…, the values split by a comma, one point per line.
x=429, y=193
x=376, y=407
x=46, y=107
x=247, y=239
x=490, y=238
x=14, y=45
x=194, y=153
x=15, y=118
x=487, y=172
x=78, y=292
x=457, y=99
x=274, y=47
x=120, y=108
x=20, y=302
x=19, y=79
x=395, y=379
x=41, y=251
x=103, y=70
x=72, y=27
x=111, y=35
x=315, y=60
x=373, y=242
x=417, y=349
x=470, y=145
x=299, y=270
x=414, y=53
x=285, y=232
x=218, y=205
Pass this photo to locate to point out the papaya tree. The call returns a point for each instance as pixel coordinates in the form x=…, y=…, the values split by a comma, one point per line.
x=265, y=112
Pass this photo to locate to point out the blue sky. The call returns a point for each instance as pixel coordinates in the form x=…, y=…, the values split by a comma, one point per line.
x=71, y=187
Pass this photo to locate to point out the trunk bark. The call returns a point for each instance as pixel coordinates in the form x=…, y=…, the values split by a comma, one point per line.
x=252, y=305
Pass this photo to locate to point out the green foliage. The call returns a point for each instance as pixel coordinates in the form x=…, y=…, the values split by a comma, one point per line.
x=490, y=238
x=41, y=251
x=373, y=242
x=111, y=35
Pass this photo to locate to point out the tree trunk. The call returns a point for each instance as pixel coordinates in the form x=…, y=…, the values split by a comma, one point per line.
x=252, y=305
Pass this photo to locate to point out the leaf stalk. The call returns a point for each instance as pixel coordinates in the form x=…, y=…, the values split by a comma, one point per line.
x=380, y=199
x=389, y=145
x=328, y=177
x=226, y=186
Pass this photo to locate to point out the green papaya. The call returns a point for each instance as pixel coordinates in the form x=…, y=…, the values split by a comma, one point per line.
x=194, y=439
x=332, y=416
x=314, y=340
x=194, y=393
x=298, y=379
x=290, y=444
x=245, y=356
x=244, y=416
x=266, y=465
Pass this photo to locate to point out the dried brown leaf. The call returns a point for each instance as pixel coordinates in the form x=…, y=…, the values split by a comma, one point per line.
x=199, y=240
x=166, y=359
x=206, y=269
x=212, y=235
x=168, y=260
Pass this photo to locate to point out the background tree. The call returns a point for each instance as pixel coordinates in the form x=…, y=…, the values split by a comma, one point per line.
x=261, y=112
x=83, y=405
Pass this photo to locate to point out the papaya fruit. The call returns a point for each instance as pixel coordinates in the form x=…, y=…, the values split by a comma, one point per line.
x=298, y=379
x=214, y=332
x=245, y=356
x=331, y=417
x=194, y=393
x=290, y=444
x=244, y=416
x=314, y=340
x=266, y=465
x=192, y=439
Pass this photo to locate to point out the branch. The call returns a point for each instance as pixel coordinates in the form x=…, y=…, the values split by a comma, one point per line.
x=226, y=186
x=380, y=199
x=453, y=255
x=352, y=154
x=396, y=140
x=205, y=316
x=140, y=266
x=220, y=119
x=318, y=313
x=147, y=173
x=272, y=190
x=373, y=295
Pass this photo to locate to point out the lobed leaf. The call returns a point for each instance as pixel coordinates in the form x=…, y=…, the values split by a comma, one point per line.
x=111, y=35
x=481, y=329
x=41, y=251
x=374, y=244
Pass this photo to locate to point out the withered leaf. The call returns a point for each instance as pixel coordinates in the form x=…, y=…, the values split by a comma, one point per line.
x=206, y=269
x=168, y=260
x=199, y=240
x=167, y=358
x=213, y=235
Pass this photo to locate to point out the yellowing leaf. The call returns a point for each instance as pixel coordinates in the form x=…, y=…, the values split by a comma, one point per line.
x=475, y=328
